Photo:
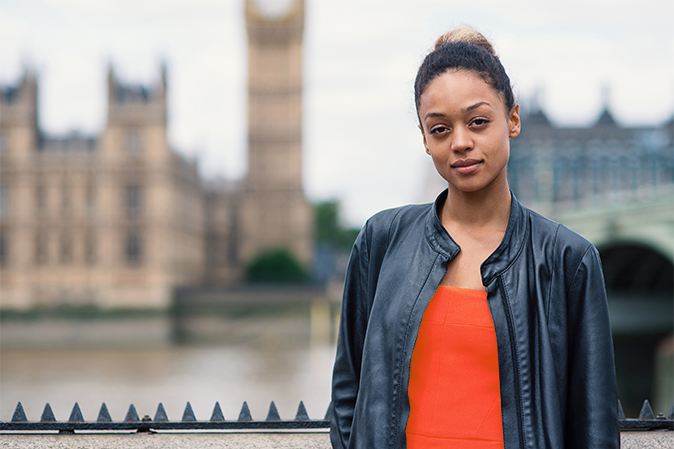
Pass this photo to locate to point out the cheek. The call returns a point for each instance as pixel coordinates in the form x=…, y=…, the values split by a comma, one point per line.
x=502, y=143
x=505, y=151
x=441, y=165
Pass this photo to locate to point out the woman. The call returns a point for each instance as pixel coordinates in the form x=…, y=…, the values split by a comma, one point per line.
x=472, y=322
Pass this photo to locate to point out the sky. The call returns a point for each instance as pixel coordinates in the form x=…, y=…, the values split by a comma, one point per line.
x=360, y=138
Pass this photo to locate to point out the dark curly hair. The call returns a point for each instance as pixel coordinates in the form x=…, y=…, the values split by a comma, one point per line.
x=464, y=49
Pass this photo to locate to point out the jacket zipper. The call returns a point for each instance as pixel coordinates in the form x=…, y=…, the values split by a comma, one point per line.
x=513, y=347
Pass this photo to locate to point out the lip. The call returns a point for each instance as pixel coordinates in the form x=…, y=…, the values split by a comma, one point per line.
x=466, y=166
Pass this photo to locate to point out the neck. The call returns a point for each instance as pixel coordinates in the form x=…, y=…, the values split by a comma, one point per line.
x=488, y=207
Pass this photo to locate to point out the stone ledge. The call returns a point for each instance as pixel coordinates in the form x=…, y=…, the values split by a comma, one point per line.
x=168, y=440
x=257, y=440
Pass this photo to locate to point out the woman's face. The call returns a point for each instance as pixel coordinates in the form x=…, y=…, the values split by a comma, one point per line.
x=466, y=130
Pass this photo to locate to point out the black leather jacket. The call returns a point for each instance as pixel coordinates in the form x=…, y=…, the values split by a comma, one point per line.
x=545, y=291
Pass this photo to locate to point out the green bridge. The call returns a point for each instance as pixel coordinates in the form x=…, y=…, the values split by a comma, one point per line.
x=634, y=233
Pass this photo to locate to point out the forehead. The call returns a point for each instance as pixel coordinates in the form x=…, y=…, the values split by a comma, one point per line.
x=457, y=89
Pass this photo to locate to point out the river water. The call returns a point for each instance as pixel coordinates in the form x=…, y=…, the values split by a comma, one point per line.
x=286, y=364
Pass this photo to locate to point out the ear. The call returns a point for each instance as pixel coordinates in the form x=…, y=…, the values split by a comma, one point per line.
x=423, y=137
x=514, y=123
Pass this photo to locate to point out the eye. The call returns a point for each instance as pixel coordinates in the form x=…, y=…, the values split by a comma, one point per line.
x=439, y=129
x=480, y=121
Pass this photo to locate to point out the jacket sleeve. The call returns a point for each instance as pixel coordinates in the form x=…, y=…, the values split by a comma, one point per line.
x=352, y=328
x=592, y=416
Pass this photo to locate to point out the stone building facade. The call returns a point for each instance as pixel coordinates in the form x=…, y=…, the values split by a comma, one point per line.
x=554, y=169
x=268, y=209
x=274, y=211
x=120, y=219
x=113, y=220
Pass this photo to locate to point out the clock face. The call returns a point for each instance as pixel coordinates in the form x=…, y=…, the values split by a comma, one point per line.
x=273, y=9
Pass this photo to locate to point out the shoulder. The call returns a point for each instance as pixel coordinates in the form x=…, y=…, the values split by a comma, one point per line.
x=563, y=237
x=386, y=222
x=564, y=247
x=374, y=240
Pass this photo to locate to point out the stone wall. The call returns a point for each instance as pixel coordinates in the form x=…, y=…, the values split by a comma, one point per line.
x=313, y=440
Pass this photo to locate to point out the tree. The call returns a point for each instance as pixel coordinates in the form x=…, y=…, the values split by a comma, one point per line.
x=329, y=231
x=276, y=266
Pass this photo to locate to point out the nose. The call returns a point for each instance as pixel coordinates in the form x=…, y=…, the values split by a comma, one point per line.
x=461, y=140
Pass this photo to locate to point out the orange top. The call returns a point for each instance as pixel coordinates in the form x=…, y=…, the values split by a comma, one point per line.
x=454, y=391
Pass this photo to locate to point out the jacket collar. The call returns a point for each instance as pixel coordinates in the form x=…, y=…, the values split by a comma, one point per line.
x=501, y=258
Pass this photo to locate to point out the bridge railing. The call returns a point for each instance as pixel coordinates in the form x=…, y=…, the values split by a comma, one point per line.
x=48, y=423
x=161, y=421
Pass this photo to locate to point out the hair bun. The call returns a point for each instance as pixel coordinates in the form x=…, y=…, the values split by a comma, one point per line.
x=465, y=34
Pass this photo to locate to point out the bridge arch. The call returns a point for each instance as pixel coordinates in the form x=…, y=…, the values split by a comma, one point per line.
x=632, y=266
x=639, y=281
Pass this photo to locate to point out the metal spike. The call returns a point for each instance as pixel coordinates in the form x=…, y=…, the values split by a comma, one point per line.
x=328, y=413
x=671, y=413
x=76, y=414
x=646, y=411
x=19, y=415
x=161, y=413
x=301, y=413
x=244, y=414
x=621, y=412
x=47, y=414
x=273, y=413
x=103, y=414
x=217, y=413
x=132, y=415
x=188, y=414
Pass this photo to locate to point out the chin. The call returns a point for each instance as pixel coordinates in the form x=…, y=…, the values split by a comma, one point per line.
x=467, y=185
x=478, y=184
x=466, y=189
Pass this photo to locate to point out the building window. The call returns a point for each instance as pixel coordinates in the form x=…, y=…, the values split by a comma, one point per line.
x=40, y=248
x=211, y=255
x=4, y=201
x=66, y=199
x=134, y=248
x=66, y=248
x=89, y=248
x=133, y=201
x=90, y=201
x=3, y=249
x=133, y=142
x=41, y=199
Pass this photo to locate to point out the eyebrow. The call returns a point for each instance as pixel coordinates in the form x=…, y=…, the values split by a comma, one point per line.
x=434, y=114
x=477, y=105
x=469, y=108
